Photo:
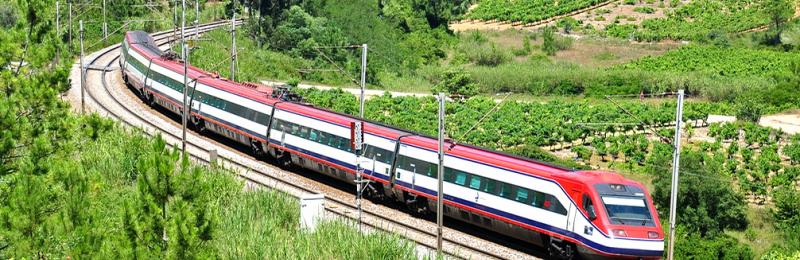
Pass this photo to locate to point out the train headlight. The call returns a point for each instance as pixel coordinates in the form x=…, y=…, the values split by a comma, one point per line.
x=652, y=234
x=619, y=233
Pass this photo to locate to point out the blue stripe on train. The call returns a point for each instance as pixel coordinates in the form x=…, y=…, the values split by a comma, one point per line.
x=474, y=205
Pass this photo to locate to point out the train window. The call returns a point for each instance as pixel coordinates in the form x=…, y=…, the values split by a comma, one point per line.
x=475, y=182
x=432, y=170
x=461, y=178
x=552, y=204
x=378, y=154
x=538, y=198
x=295, y=129
x=522, y=195
x=339, y=143
x=489, y=185
x=303, y=132
x=449, y=176
x=505, y=190
x=323, y=138
x=332, y=141
x=313, y=134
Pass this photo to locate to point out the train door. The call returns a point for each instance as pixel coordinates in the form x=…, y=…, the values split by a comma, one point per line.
x=572, y=211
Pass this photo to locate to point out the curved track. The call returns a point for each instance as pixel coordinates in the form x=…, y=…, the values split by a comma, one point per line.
x=107, y=96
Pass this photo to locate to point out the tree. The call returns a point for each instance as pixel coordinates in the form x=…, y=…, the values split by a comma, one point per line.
x=549, y=41
x=779, y=12
x=456, y=81
x=749, y=108
x=708, y=204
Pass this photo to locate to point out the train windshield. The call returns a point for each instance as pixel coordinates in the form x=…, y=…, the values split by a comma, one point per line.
x=631, y=211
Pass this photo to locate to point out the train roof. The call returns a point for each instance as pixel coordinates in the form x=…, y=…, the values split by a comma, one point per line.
x=144, y=41
x=497, y=158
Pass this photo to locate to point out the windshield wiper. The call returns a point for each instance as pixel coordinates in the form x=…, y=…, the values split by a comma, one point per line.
x=619, y=219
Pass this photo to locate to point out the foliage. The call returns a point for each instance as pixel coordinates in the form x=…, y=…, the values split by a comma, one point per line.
x=696, y=20
x=691, y=245
x=526, y=11
x=708, y=205
x=731, y=62
x=455, y=81
x=83, y=187
x=553, y=43
x=793, y=152
x=513, y=126
x=779, y=12
x=644, y=9
x=749, y=108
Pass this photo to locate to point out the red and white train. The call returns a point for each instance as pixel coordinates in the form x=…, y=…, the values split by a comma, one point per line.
x=588, y=213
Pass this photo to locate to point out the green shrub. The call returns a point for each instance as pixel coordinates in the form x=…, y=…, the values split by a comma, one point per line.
x=455, y=81
x=644, y=9
x=491, y=56
x=553, y=43
x=630, y=2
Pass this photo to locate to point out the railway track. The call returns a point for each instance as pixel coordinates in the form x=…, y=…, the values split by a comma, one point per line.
x=107, y=95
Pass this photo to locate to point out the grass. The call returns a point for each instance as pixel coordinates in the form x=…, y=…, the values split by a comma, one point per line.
x=761, y=234
x=259, y=224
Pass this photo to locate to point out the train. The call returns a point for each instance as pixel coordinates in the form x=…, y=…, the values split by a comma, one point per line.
x=573, y=214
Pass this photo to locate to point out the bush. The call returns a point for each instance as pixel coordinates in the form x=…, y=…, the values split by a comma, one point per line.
x=749, y=108
x=8, y=17
x=707, y=207
x=567, y=24
x=490, y=56
x=644, y=9
x=553, y=43
x=455, y=81
x=690, y=245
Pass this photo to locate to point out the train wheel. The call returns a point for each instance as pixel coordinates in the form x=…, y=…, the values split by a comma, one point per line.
x=283, y=159
x=375, y=192
x=198, y=124
x=418, y=205
x=257, y=149
x=559, y=249
x=150, y=99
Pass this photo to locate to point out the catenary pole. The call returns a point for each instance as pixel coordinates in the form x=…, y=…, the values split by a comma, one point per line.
x=58, y=30
x=69, y=36
x=363, y=79
x=676, y=158
x=105, y=25
x=196, y=19
x=83, y=70
x=439, y=193
x=185, y=52
x=233, y=44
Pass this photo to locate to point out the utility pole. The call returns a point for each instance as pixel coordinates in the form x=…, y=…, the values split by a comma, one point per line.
x=196, y=20
x=83, y=71
x=69, y=38
x=363, y=78
x=233, y=44
x=58, y=30
x=676, y=160
x=58, y=27
x=185, y=51
x=105, y=26
x=440, y=177
x=174, y=22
